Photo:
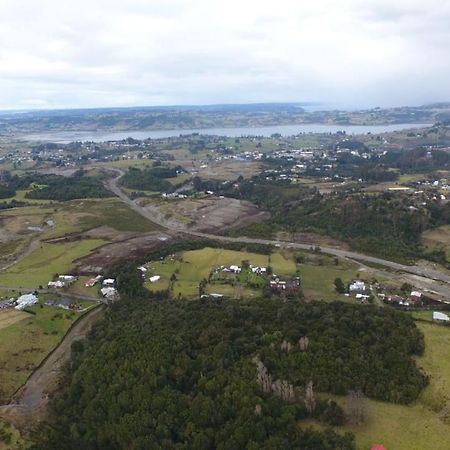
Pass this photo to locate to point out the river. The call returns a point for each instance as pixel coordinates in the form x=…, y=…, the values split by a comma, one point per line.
x=285, y=130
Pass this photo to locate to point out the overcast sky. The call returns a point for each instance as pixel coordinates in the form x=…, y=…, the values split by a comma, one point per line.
x=350, y=53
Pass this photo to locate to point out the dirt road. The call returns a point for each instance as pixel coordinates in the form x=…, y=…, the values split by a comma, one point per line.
x=28, y=404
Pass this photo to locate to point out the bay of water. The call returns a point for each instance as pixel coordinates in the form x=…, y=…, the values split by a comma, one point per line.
x=284, y=130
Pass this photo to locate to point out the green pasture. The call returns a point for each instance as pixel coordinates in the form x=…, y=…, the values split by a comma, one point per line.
x=49, y=259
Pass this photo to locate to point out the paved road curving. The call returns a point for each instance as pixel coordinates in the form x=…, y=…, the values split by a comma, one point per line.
x=157, y=218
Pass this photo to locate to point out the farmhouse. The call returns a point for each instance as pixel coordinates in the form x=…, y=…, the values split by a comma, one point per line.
x=93, y=281
x=55, y=284
x=108, y=292
x=258, y=270
x=154, y=278
x=63, y=303
x=235, y=269
x=278, y=285
x=26, y=300
x=357, y=287
x=109, y=282
x=67, y=278
x=9, y=303
x=440, y=317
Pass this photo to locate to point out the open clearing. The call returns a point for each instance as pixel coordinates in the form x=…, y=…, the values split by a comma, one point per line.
x=424, y=425
x=211, y=214
x=26, y=342
x=49, y=259
x=10, y=316
x=438, y=239
x=191, y=267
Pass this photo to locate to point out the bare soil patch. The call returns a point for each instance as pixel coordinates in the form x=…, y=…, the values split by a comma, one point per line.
x=212, y=214
x=110, y=254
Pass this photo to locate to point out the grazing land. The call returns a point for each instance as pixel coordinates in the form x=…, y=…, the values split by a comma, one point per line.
x=24, y=343
x=438, y=239
x=49, y=259
x=191, y=267
x=425, y=424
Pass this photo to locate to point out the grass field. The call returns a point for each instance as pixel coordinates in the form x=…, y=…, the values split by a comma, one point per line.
x=40, y=266
x=318, y=280
x=424, y=425
x=437, y=239
x=24, y=344
x=20, y=196
x=80, y=288
x=10, y=316
x=71, y=217
x=192, y=266
x=112, y=213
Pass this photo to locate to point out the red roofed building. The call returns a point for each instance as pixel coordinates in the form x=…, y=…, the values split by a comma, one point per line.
x=378, y=447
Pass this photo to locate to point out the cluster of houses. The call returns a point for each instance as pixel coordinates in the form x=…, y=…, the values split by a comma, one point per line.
x=233, y=268
x=413, y=299
x=108, y=289
x=284, y=286
x=152, y=279
x=62, y=281
x=173, y=195
x=63, y=303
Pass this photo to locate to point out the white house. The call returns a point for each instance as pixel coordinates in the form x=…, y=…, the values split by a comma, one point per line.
x=440, y=317
x=108, y=292
x=235, y=269
x=55, y=284
x=357, y=286
x=109, y=282
x=68, y=278
x=154, y=278
x=26, y=300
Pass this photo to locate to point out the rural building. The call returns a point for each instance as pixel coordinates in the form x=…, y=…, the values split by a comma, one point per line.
x=440, y=317
x=108, y=292
x=235, y=269
x=63, y=303
x=9, y=303
x=289, y=286
x=55, y=284
x=357, y=287
x=154, y=278
x=67, y=278
x=109, y=282
x=26, y=300
x=93, y=281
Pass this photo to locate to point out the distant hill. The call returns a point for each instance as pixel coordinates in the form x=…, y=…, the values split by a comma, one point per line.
x=210, y=116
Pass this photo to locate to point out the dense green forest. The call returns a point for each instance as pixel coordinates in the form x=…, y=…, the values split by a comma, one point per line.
x=62, y=189
x=380, y=224
x=149, y=179
x=227, y=374
x=54, y=187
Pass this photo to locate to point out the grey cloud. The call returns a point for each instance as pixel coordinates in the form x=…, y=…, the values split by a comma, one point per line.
x=98, y=53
